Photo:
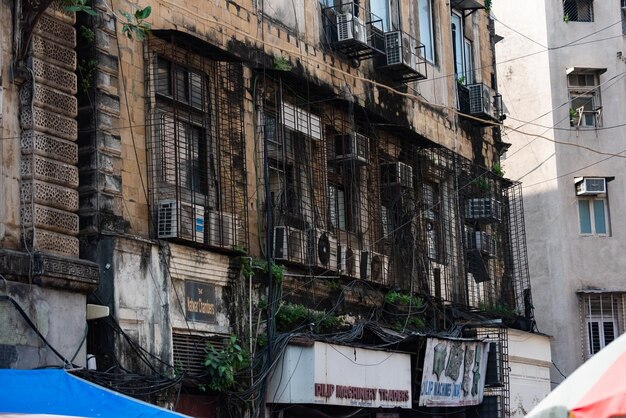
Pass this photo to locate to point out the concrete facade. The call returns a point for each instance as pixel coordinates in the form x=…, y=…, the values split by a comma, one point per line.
x=549, y=153
x=152, y=225
x=530, y=362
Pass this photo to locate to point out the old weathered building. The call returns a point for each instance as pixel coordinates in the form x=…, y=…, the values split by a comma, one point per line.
x=351, y=147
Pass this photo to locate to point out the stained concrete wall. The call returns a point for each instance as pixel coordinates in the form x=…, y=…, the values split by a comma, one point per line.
x=534, y=85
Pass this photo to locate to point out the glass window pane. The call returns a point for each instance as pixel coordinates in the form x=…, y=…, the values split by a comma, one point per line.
x=163, y=81
x=197, y=90
x=457, y=44
x=381, y=9
x=599, y=216
x=426, y=29
x=584, y=216
x=594, y=337
x=182, y=85
x=608, y=327
x=469, y=63
x=341, y=209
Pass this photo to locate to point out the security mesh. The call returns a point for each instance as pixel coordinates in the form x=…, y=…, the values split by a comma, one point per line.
x=346, y=198
x=196, y=146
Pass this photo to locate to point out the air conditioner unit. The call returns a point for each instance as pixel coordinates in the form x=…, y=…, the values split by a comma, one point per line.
x=322, y=250
x=351, y=148
x=350, y=27
x=481, y=98
x=222, y=229
x=176, y=219
x=484, y=209
x=289, y=244
x=348, y=261
x=590, y=186
x=481, y=241
x=396, y=174
x=400, y=49
x=379, y=268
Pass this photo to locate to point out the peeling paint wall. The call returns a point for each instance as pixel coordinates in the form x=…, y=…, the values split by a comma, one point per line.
x=57, y=317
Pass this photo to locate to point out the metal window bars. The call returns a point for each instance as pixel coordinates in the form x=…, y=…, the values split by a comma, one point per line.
x=195, y=144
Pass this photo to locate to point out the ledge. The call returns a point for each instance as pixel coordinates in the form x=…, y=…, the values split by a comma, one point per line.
x=48, y=270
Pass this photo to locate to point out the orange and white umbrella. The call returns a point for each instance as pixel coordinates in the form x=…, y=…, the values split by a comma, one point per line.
x=597, y=389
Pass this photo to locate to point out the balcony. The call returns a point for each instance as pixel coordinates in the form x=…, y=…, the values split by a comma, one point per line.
x=480, y=101
x=403, y=58
x=353, y=31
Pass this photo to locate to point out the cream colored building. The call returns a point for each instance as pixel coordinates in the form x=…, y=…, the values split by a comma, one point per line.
x=352, y=143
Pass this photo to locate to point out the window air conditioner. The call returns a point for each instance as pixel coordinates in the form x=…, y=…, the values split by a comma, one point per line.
x=351, y=148
x=400, y=49
x=350, y=27
x=481, y=241
x=176, y=219
x=481, y=98
x=374, y=267
x=396, y=174
x=222, y=229
x=590, y=186
x=348, y=261
x=322, y=250
x=379, y=268
x=289, y=244
x=486, y=209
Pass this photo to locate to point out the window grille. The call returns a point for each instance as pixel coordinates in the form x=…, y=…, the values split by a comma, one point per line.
x=578, y=10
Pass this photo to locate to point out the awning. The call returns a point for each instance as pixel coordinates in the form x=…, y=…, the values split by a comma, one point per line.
x=47, y=393
x=597, y=389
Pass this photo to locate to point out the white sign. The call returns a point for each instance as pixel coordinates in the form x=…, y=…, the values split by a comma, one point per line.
x=454, y=373
x=330, y=374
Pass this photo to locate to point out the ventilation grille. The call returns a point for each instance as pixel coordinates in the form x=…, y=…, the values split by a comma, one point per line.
x=189, y=351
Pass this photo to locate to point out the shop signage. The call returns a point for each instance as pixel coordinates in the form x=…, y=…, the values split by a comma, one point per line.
x=199, y=301
x=453, y=373
x=330, y=374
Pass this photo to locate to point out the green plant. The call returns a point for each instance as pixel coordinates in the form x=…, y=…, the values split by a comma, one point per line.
x=87, y=69
x=136, y=26
x=461, y=80
x=291, y=315
x=334, y=285
x=482, y=183
x=488, y=5
x=222, y=365
x=282, y=64
x=403, y=299
x=78, y=6
x=498, y=309
x=409, y=322
x=566, y=18
x=255, y=265
x=497, y=169
x=87, y=34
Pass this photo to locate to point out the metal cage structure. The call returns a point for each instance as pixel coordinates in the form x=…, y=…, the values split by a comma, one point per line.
x=196, y=146
x=349, y=199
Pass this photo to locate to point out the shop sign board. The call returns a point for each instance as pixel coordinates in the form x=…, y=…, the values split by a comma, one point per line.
x=330, y=374
x=199, y=301
x=453, y=373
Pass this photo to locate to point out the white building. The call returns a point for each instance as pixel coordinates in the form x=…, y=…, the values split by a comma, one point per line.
x=562, y=74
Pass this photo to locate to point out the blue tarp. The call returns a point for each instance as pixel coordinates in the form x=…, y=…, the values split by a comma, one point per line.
x=57, y=392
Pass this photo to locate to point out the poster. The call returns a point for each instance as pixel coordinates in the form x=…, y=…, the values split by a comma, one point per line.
x=454, y=372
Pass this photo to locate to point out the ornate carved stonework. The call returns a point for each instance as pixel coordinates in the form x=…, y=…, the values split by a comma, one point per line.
x=50, y=270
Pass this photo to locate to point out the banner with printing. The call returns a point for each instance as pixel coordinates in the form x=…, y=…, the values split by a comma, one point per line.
x=453, y=373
